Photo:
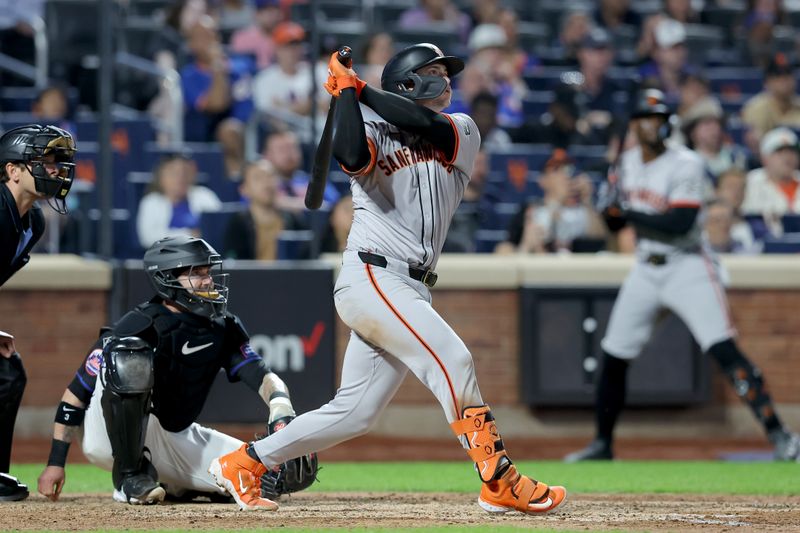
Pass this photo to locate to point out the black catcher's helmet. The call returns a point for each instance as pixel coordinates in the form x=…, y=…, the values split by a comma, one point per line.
x=400, y=77
x=170, y=257
x=38, y=147
x=652, y=103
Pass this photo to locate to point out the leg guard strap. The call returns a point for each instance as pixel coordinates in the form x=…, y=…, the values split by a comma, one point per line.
x=486, y=447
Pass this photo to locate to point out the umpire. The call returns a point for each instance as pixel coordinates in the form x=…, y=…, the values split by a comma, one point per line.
x=37, y=163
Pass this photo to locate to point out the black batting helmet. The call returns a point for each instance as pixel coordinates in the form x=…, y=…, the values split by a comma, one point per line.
x=651, y=102
x=169, y=257
x=35, y=146
x=400, y=77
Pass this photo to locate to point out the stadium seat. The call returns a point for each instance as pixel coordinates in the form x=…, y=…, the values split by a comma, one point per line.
x=791, y=223
x=295, y=244
x=735, y=81
x=789, y=243
x=213, y=224
x=486, y=240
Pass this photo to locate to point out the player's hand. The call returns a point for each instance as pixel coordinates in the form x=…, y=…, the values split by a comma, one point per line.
x=7, y=347
x=331, y=87
x=344, y=76
x=51, y=482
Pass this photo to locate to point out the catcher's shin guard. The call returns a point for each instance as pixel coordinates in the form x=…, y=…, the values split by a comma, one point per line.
x=504, y=489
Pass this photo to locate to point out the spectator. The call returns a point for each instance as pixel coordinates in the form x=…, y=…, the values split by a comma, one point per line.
x=777, y=105
x=521, y=59
x=772, y=191
x=217, y=93
x=575, y=25
x=484, y=113
x=485, y=12
x=286, y=85
x=51, y=106
x=436, y=13
x=758, y=25
x=559, y=126
x=611, y=14
x=564, y=215
x=17, y=22
x=490, y=52
x=174, y=202
x=256, y=38
x=341, y=218
x=669, y=60
x=282, y=149
x=704, y=130
x=679, y=10
x=730, y=189
x=467, y=218
x=234, y=14
x=718, y=226
x=694, y=88
x=378, y=49
x=253, y=232
x=472, y=81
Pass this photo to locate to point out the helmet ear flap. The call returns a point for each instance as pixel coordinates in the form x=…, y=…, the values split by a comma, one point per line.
x=665, y=130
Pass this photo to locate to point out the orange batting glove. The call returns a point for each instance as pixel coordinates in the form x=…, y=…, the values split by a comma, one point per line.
x=344, y=76
x=331, y=87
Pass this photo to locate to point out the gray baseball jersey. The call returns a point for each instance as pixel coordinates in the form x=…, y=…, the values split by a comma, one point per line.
x=676, y=272
x=403, y=201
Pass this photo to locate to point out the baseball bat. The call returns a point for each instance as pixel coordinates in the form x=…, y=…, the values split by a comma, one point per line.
x=324, y=152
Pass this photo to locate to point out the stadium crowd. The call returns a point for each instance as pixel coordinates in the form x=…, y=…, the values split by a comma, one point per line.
x=549, y=84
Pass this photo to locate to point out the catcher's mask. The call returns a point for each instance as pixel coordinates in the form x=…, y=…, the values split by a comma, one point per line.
x=400, y=73
x=48, y=153
x=188, y=271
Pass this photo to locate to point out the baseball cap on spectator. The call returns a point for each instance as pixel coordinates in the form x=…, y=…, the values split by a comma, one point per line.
x=669, y=33
x=487, y=36
x=288, y=32
x=778, y=66
x=560, y=158
x=708, y=107
x=261, y=4
x=596, y=38
x=778, y=139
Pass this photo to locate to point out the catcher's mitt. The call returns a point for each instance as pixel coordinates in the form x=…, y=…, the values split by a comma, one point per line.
x=292, y=476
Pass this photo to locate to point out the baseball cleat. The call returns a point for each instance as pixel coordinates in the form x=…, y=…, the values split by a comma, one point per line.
x=240, y=475
x=514, y=492
x=597, y=450
x=11, y=490
x=787, y=446
x=140, y=489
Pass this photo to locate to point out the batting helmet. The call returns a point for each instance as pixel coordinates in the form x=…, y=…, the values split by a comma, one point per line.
x=35, y=146
x=170, y=257
x=400, y=77
x=652, y=103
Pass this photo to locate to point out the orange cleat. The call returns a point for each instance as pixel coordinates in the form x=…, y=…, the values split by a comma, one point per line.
x=240, y=475
x=514, y=492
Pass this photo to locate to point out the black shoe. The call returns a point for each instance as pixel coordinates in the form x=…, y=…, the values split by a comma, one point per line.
x=597, y=450
x=11, y=490
x=787, y=445
x=139, y=489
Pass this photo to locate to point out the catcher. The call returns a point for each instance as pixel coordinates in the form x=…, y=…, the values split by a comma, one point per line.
x=156, y=366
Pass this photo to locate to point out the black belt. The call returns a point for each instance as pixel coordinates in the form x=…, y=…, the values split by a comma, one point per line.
x=656, y=259
x=428, y=277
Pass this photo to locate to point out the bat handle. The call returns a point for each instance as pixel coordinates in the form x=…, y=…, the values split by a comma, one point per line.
x=346, y=56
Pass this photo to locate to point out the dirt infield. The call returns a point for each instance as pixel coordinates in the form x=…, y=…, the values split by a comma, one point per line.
x=398, y=510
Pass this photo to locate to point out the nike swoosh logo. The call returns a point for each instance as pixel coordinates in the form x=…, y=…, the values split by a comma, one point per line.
x=241, y=484
x=542, y=506
x=187, y=350
x=69, y=409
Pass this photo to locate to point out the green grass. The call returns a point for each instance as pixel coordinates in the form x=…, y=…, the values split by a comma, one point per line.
x=699, y=477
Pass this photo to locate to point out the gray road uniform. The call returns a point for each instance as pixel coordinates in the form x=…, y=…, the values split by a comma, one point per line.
x=403, y=202
x=676, y=272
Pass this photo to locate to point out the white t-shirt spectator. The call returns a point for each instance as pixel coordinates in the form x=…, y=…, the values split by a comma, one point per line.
x=154, y=219
x=764, y=197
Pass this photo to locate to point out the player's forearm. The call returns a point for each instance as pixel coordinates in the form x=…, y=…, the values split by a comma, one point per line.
x=276, y=395
x=68, y=420
x=675, y=221
x=408, y=116
x=350, y=145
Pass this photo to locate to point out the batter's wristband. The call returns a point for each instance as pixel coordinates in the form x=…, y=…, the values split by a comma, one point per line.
x=69, y=415
x=58, y=453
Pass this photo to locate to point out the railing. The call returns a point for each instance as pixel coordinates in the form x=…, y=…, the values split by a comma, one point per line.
x=42, y=48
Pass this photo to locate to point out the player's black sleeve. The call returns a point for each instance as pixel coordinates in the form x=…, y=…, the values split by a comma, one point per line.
x=675, y=221
x=406, y=115
x=85, y=379
x=350, y=147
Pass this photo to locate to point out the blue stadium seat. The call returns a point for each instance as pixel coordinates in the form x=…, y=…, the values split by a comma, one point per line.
x=758, y=226
x=733, y=81
x=791, y=223
x=213, y=225
x=499, y=217
x=295, y=244
x=486, y=240
x=545, y=78
x=788, y=244
x=533, y=155
x=537, y=102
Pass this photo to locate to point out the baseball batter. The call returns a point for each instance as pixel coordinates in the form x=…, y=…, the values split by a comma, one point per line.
x=408, y=174
x=662, y=190
x=143, y=384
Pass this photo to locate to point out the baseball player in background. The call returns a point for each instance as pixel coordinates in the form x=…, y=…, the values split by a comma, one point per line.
x=156, y=366
x=408, y=175
x=37, y=163
x=661, y=193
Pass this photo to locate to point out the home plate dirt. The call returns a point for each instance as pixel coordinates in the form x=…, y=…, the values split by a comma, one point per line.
x=589, y=512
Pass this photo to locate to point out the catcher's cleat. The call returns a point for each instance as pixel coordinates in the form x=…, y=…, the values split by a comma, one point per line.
x=597, y=450
x=240, y=475
x=139, y=489
x=11, y=490
x=514, y=492
x=787, y=446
